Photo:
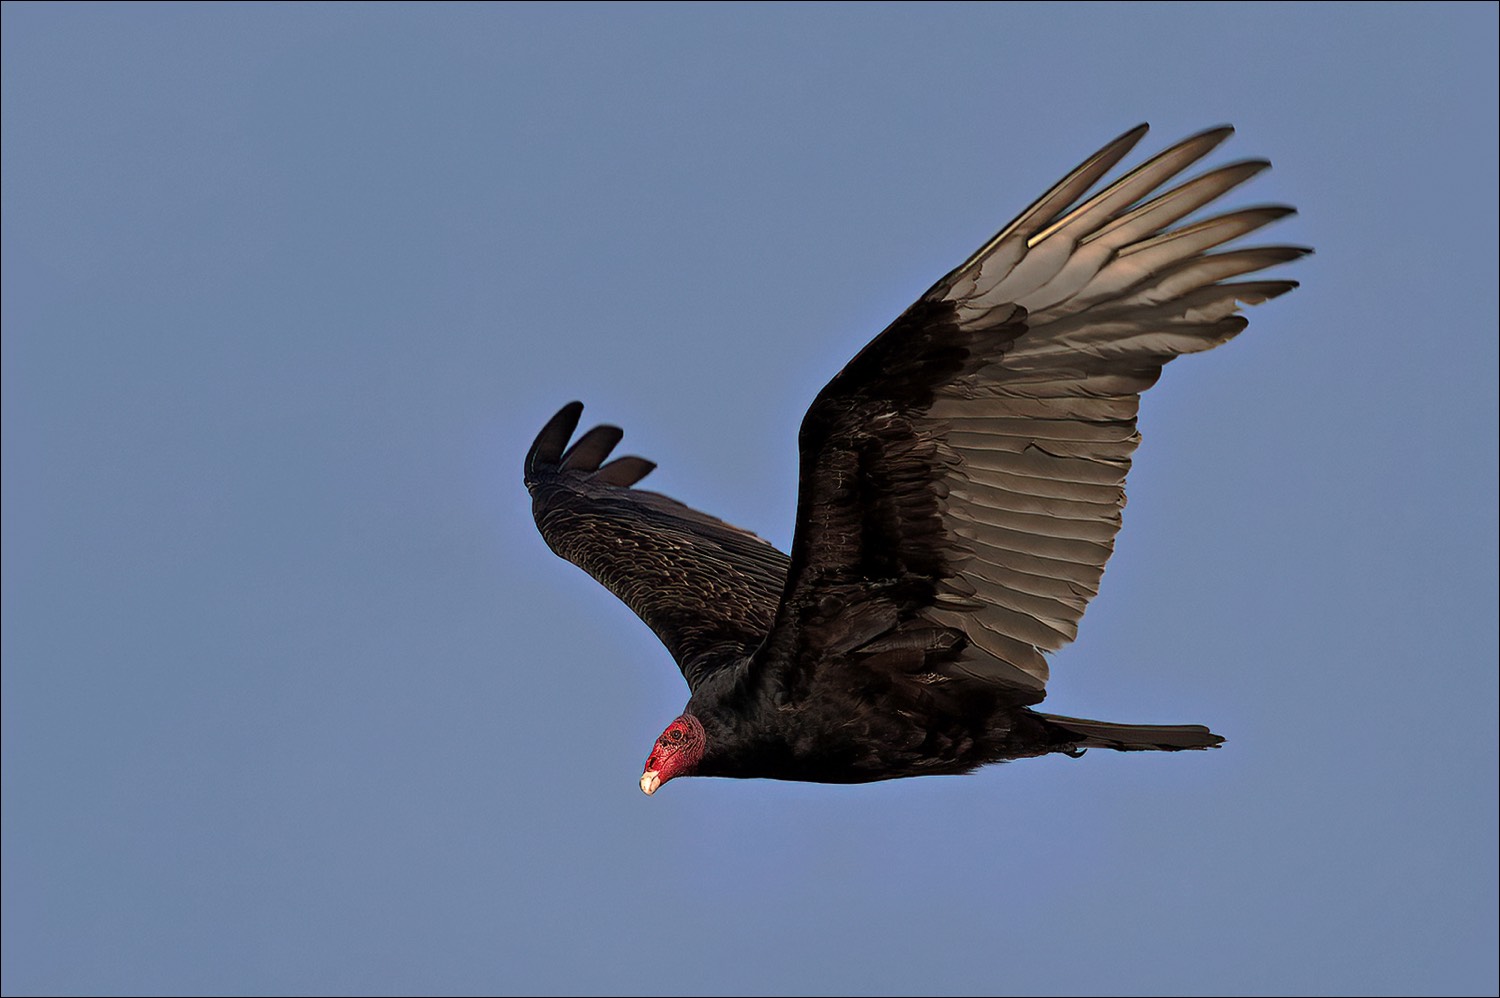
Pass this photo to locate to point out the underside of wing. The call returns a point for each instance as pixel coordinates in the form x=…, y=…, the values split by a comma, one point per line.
x=708, y=589
x=963, y=476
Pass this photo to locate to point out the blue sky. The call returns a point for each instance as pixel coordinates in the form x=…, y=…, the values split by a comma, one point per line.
x=296, y=700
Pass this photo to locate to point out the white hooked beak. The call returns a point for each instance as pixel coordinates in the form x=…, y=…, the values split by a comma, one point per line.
x=650, y=780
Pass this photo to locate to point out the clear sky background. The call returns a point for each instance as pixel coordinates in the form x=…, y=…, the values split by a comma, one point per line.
x=296, y=700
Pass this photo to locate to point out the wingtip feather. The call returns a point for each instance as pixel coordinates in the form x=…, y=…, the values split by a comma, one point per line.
x=550, y=452
x=547, y=449
x=624, y=472
x=590, y=450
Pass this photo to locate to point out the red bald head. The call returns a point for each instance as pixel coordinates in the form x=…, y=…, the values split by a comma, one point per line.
x=676, y=753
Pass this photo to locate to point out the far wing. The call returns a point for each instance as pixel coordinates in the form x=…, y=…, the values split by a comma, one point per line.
x=962, y=478
x=709, y=590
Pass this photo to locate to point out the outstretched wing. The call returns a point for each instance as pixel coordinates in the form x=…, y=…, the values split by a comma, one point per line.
x=962, y=478
x=709, y=590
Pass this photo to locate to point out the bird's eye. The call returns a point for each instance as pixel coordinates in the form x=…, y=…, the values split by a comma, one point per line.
x=675, y=734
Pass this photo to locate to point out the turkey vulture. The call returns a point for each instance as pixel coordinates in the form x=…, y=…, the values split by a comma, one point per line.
x=961, y=483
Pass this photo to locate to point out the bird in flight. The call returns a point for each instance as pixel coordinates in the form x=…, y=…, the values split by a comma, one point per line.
x=961, y=483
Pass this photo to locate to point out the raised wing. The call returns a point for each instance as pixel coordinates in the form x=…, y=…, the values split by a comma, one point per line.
x=709, y=590
x=962, y=478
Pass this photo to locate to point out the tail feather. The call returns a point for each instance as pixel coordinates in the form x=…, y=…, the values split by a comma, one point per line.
x=1084, y=734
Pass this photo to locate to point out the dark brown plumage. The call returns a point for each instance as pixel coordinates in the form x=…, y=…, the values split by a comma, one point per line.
x=961, y=486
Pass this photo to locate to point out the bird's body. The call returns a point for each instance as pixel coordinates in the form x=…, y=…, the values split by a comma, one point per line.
x=807, y=735
x=960, y=490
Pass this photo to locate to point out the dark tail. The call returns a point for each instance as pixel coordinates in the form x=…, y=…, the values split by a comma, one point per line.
x=1082, y=734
